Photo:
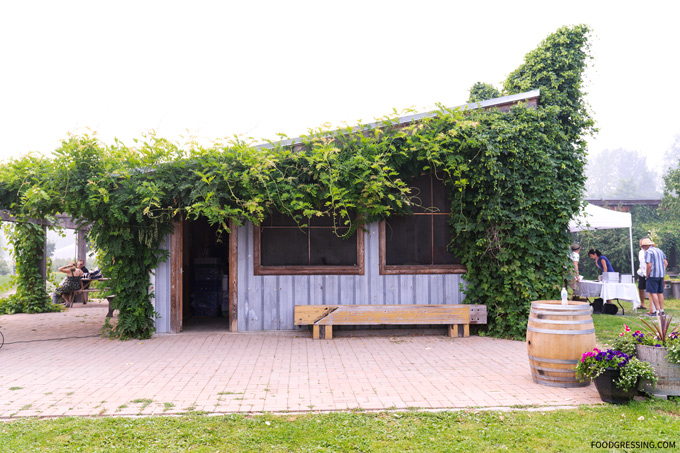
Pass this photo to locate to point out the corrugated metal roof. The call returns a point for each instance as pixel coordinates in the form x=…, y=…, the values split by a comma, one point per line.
x=419, y=116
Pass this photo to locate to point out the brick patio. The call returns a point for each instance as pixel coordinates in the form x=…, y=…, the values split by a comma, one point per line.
x=56, y=364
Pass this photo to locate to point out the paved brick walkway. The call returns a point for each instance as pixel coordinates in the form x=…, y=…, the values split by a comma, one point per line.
x=57, y=365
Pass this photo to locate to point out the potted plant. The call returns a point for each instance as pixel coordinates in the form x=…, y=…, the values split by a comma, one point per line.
x=615, y=373
x=659, y=345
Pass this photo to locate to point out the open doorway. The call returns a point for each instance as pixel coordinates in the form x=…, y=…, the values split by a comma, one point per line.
x=205, y=277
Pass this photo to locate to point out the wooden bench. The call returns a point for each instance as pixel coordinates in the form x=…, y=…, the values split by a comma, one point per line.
x=322, y=318
x=84, y=291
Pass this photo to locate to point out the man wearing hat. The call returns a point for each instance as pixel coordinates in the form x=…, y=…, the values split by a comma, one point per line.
x=655, y=273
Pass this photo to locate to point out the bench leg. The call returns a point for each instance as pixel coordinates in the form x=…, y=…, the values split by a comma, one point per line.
x=315, y=332
x=328, y=332
x=454, y=330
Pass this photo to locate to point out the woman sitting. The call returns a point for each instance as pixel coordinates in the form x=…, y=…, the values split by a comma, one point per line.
x=70, y=284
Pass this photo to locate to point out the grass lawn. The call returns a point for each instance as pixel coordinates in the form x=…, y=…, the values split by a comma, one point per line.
x=465, y=431
x=650, y=425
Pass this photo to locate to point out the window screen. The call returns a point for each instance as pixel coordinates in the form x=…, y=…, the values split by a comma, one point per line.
x=422, y=239
x=316, y=244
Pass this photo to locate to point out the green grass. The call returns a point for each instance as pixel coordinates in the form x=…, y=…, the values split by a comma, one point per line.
x=478, y=431
x=608, y=327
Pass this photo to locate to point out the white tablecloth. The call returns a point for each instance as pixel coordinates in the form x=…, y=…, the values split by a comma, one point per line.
x=609, y=291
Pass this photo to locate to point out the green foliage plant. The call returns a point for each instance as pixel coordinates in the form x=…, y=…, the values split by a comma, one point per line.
x=594, y=363
x=483, y=91
x=28, y=240
x=515, y=180
x=657, y=334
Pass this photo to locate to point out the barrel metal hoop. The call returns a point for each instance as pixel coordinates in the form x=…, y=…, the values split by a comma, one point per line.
x=557, y=313
x=562, y=307
x=560, y=384
x=557, y=321
x=557, y=378
x=553, y=370
x=563, y=361
x=561, y=332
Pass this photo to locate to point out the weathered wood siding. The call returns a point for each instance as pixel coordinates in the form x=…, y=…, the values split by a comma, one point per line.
x=266, y=302
x=162, y=292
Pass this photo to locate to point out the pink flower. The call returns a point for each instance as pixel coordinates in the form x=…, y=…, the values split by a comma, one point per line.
x=627, y=328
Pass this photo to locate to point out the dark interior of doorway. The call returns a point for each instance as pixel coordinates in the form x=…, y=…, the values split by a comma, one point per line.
x=205, y=273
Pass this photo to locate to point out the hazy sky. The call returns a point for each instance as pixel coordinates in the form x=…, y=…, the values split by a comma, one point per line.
x=213, y=69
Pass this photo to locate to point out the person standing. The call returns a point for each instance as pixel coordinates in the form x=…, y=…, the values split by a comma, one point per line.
x=655, y=272
x=642, y=271
x=574, y=257
x=601, y=261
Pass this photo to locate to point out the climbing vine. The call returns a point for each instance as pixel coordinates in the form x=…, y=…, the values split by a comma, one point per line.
x=28, y=241
x=515, y=180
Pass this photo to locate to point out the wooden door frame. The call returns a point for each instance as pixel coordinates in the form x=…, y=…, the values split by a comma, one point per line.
x=176, y=274
x=176, y=271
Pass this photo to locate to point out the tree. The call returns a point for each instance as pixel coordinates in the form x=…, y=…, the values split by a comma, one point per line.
x=4, y=267
x=50, y=246
x=672, y=156
x=482, y=91
x=621, y=174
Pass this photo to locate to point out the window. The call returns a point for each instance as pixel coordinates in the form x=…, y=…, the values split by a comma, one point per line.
x=282, y=247
x=419, y=243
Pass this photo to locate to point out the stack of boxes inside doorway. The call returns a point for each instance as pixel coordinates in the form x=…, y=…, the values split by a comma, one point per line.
x=210, y=295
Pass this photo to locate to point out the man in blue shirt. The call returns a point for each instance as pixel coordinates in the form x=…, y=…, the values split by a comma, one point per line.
x=655, y=273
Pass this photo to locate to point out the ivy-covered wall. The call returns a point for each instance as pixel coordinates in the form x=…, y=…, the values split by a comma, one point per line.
x=515, y=180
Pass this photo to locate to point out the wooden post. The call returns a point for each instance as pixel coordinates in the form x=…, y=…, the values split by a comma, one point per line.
x=328, y=332
x=176, y=277
x=81, y=246
x=43, y=259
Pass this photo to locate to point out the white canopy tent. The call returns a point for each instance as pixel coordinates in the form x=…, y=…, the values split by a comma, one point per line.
x=597, y=218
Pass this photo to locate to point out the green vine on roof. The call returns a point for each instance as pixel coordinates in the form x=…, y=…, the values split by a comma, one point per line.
x=515, y=180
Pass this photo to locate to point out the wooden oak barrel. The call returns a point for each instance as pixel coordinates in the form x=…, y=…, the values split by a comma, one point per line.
x=557, y=337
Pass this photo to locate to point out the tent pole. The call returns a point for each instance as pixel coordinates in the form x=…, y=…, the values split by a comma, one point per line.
x=632, y=263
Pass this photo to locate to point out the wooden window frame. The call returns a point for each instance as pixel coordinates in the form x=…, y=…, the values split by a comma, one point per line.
x=412, y=269
x=259, y=269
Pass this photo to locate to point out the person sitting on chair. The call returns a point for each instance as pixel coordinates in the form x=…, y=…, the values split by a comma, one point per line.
x=71, y=283
x=81, y=266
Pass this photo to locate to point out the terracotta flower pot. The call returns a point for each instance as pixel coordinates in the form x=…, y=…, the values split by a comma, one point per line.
x=608, y=390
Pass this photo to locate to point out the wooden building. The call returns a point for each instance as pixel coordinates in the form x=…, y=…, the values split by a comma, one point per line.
x=251, y=279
